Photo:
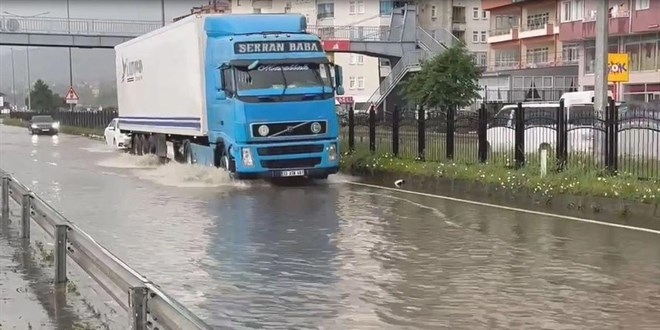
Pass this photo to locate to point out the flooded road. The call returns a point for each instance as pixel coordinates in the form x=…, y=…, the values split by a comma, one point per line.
x=339, y=256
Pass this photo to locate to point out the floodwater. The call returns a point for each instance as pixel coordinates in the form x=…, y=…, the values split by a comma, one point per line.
x=339, y=256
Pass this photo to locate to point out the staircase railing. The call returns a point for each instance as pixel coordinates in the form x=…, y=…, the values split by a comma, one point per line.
x=430, y=46
x=428, y=42
x=410, y=62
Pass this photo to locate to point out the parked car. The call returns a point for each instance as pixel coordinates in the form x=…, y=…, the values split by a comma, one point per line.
x=115, y=137
x=43, y=124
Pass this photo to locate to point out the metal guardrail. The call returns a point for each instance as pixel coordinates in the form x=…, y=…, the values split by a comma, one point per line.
x=147, y=305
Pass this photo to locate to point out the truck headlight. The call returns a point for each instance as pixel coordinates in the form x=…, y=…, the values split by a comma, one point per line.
x=56, y=125
x=332, y=152
x=247, y=157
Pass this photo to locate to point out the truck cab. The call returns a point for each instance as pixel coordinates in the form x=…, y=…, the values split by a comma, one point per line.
x=270, y=98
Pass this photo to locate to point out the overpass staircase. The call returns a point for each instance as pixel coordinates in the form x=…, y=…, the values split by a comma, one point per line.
x=404, y=43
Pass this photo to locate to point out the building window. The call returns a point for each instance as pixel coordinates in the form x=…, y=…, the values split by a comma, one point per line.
x=537, y=55
x=643, y=52
x=537, y=21
x=484, y=14
x=642, y=4
x=458, y=14
x=480, y=58
x=590, y=54
x=360, y=82
x=572, y=10
x=351, y=82
x=475, y=36
x=357, y=59
x=326, y=32
x=357, y=33
x=570, y=54
x=356, y=7
x=475, y=13
x=325, y=10
x=434, y=12
x=388, y=6
x=508, y=59
x=484, y=36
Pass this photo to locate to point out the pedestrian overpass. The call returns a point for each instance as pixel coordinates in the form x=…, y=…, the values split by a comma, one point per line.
x=403, y=42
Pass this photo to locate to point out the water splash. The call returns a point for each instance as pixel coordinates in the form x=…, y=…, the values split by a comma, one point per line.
x=128, y=161
x=190, y=176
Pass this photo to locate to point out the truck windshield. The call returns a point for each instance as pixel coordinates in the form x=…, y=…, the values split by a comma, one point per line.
x=279, y=76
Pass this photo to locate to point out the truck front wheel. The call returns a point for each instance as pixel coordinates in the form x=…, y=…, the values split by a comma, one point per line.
x=225, y=163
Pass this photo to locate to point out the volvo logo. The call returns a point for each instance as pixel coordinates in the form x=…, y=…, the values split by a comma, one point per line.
x=315, y=127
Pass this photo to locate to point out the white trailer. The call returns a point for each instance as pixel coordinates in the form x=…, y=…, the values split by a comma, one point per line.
x=160, y=80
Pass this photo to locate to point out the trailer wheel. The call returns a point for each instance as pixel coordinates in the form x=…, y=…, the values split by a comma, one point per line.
x=151, y=144
x=145, y=144
x=137, y=140
x=187, y=153
x=134, y=145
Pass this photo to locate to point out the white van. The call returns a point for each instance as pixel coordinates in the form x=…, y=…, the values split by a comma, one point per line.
x=585, y=129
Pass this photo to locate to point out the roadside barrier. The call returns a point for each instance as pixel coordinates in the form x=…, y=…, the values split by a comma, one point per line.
x=148, y=306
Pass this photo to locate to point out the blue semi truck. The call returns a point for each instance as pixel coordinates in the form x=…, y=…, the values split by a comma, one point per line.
x=253, y=94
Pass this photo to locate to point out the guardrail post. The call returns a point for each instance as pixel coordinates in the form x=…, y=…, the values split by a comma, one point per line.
x=137, y=302
x=26, y=215
x=60, y=253
x=5, y=199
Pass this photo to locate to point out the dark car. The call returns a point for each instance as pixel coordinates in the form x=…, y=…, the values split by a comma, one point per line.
x=43, y=124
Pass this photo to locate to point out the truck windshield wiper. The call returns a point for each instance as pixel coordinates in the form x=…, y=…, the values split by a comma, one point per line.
x=289, y=129
x=284, y=80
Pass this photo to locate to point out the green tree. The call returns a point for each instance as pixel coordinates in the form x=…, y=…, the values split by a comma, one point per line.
x=42, y=98
x=449, y=80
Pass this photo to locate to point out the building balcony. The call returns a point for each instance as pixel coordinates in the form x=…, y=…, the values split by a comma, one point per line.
x=458, y=26
x=502, y=35
x=586, y=28
x=538, y=30
x=617, y=26
x=551, y=60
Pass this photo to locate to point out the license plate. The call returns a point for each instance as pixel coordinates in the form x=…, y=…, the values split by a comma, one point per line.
x=45, y=129
x=292, y=173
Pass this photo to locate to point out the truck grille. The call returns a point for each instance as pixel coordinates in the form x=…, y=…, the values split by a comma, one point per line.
x=291, y=163
x=281, y=128
x=289, y=150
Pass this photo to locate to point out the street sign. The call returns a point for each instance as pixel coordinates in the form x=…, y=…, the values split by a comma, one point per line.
x=336, y=45
x=343, y=100
x=72, y=96
x=618, y=65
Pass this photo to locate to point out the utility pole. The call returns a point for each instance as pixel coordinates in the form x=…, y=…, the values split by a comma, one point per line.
x=68, y=21
x=13, y=77
x=602, y=41
x=29, y=96
x=162, y=12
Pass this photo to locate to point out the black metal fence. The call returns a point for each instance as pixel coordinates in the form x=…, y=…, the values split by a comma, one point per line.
x=620, y=140
x=85, y=119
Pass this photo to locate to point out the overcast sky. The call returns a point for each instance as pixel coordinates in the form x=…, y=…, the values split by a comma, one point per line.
x=54, y=61
x=100, y=9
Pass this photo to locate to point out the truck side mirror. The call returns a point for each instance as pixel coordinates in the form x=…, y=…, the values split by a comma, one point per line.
x=339, y=78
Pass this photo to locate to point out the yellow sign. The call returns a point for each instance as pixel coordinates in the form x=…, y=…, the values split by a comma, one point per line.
x=618, y=67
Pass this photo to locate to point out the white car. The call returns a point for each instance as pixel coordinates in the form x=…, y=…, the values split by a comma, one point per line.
x=114, y=136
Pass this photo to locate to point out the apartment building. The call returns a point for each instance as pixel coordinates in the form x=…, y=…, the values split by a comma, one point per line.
x=634, y=28
x=526, y=58
x=337, y=20
x=465, y=19
x=369, y=19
